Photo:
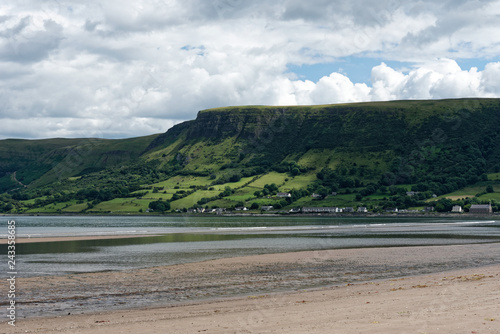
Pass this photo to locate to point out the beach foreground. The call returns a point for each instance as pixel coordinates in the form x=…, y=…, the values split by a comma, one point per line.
x=276, y=293
x=465, y=301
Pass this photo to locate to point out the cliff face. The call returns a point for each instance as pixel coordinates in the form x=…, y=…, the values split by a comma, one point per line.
x=379, y=126
x=399, y=142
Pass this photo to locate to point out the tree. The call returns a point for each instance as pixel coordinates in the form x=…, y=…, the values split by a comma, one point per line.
x=254, y=206
x=444, y=205
x=227, y=192
x=368, y=190
x=272, y=188
x=235, y=178
x=489, y=189
x=159, y=206
x=323, y=191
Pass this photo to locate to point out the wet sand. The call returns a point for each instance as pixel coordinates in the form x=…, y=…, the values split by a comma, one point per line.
x=371, y=290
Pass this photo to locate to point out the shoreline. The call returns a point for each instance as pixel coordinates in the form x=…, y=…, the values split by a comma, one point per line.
x=458, y=301
x=283, y=214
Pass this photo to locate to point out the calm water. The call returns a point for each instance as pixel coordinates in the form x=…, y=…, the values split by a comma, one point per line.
x=176, y=240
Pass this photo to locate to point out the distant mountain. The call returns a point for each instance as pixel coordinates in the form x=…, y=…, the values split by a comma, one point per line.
x=435, y=146
x=41, y=162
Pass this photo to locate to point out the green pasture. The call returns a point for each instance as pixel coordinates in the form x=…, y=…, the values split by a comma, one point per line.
x=269, y=178
x=76, y=208
x=54, y=207
x=183, y=182
x=121, y=205
x=159, y=195
x=299, y=182
x=190, y=200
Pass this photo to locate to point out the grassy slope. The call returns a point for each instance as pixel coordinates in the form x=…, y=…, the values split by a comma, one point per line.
x=40, y=162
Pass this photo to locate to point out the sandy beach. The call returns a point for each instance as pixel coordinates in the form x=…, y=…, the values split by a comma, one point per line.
x=453, y=302
x=303, y=292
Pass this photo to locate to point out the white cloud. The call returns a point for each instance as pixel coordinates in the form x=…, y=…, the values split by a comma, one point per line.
x=436, y=80
x=339, y=88
x=127, y=68
x=490, y=80
x=387, y=83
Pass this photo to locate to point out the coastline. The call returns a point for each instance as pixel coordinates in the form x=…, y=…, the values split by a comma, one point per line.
x=459, y=301
x=493, y=215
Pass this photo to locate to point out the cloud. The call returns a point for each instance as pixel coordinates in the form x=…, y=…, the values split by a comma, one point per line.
x=128, y=68
x=490, y=80
x=21, y=43
x=439, y=79
x=337, y=87
x=63, y=127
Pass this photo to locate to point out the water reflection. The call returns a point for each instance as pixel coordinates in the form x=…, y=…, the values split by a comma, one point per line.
x=200, y=239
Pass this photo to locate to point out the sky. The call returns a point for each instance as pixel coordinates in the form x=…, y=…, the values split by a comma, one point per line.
x=120, y=69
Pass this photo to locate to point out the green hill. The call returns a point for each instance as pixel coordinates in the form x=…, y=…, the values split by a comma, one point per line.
x=41, y=162
x=370, y=154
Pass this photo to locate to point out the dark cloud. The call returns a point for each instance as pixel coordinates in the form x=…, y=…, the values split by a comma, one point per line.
x=91, y=25
x=23, y=46
x=17, y=29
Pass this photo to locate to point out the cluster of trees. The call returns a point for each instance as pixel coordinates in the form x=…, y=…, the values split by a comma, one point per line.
x=235, y=177
x=227, y=192
x=290, y=167
x=159, y=206
x=272, y=189
x=104, y=194
x=402, y=202
x=441, y=185
x=91, y=194
x=331, y=181
x=7, y=203
x=268, y=190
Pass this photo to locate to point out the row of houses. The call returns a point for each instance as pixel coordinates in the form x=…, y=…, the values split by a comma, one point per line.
x=327, y=209
x=474, y=209
x=205, y=210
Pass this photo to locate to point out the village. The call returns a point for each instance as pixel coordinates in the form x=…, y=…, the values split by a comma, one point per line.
x=476, y=209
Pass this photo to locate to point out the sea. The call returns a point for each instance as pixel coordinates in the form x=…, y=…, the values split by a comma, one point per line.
x=163, y=240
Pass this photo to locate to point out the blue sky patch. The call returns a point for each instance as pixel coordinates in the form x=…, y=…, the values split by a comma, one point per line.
x=357, y=69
